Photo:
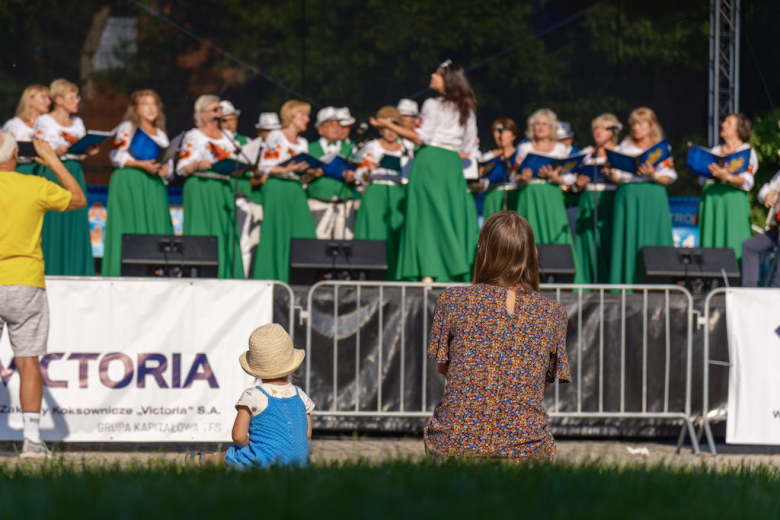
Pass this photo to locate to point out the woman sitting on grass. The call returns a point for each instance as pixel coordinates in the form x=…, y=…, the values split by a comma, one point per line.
x=273, y=423
x=499, y=343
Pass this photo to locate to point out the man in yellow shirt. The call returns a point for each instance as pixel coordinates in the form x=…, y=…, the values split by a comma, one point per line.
x=24, y=309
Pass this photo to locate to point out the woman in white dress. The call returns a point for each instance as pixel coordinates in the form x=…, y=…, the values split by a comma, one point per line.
x=382, y=204
x=209, y=204
x=65, y=241
x=439, y=237
x=642, y=216
x=34, y=102
x=137, y=196
x=286, y=212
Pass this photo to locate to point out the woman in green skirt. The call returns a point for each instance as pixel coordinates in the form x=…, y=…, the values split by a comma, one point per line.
x=500, y=184
x=137, y=196
x=67, y=250
x=724, y=210
x=382, y=205
x=596, y=203
x=541, y=199
x=34, y=102
x=209, y=204
x=286, y=212
x=642, y=216
x=439, y=236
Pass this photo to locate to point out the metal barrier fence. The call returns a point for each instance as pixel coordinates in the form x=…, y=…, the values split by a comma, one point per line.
x=368, y=349
x=704, y=321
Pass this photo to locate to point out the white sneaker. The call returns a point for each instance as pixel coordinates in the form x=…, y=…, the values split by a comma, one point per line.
x=35, y=450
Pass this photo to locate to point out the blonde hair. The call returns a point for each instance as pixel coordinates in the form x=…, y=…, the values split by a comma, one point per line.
x=647, y=114
x=551, y=118
x=132, y=109
x=389, y=112
x=608, y=120
x=292, y=108
x=23, y=110
x=61, y=88
x=200, y=106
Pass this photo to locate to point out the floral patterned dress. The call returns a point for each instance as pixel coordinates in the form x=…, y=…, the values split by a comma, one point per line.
x=498, y=363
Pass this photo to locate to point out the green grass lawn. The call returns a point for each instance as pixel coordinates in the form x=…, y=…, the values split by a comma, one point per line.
x=391, y=490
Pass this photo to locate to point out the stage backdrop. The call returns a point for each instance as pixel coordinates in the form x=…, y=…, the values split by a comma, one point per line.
x=141, y=360
x=753, y=319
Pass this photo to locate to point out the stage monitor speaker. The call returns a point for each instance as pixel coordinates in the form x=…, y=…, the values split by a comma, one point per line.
x=697, y=268
x=556, y=263
x=313, y=260
x=170, y=256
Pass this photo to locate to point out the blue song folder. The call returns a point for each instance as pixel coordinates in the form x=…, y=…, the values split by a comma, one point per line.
x=334, y=167
x=568, y=164
x=630, y=163
x=311, y=161
x=495, y=170
x=143, y=147
x=92, y=138
x=228, y=167
x=390, y=162
x=594, y=172
x=699, y=158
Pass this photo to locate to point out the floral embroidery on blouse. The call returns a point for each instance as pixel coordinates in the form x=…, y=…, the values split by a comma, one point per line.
x=498, y=363
x=218, y=152
x=70, y=138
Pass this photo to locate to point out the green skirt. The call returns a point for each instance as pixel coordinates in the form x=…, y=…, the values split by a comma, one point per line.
x=494, y=202
x=594, y=248
x=381, y=217
x=641, y=218
x=209, y=207
x=253, y=194
x=330, y=189
x=439, y=236
x=67, y=249
x=29, y=168
x=137, y=204
x=724, y=217
x=286, y=216
x=543, y=206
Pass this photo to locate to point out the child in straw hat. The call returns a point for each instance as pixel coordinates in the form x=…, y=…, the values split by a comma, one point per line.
x=273, y=420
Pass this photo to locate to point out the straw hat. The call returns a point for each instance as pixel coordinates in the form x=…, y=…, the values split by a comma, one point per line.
x=271, y=354
x=564, y=130
x=345, y=117
x=408, y=107
x=326, y=114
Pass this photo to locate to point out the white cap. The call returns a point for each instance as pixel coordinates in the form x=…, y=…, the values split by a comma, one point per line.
x=345, y=117
x=326, y=114
x=268, y=121
x=228, y=108
x=564, y=130
x=408, y=107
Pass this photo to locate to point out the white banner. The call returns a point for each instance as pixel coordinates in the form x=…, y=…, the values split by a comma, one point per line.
x=753, y=322
x=140, y=359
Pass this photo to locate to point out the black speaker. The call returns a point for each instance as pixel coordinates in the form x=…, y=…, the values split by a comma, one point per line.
x=313, y=260
x=556, y=263
x=169, y=256
x=697, y=268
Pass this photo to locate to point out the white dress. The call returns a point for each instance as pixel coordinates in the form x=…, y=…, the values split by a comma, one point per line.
x=664, y=169
x=197, y=146
x=124, y=136
x=558, y=152
x=52, y=132
x=21, y=132
x=372, y=152
x=440, y=126
x=278, y=150
x=750, y=174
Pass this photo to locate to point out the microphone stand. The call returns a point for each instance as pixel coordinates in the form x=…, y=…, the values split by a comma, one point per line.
x=238, y=152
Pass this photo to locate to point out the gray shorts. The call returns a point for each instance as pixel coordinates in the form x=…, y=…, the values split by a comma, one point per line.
x=25, y=309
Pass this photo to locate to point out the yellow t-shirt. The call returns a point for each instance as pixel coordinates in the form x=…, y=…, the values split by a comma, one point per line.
x=23, y=201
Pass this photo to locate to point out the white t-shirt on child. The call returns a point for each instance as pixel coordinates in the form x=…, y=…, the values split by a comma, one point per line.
x=257, y=402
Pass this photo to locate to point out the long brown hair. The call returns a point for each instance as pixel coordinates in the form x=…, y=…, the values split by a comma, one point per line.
x=506, y=255
x=132, y=109
x=458, y=89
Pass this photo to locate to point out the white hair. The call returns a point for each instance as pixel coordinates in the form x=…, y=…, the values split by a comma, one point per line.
x=200, y=106
x=7, y=147
x=551, y=118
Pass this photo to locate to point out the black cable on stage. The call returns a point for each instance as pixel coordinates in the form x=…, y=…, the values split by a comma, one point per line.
x=523, y=42
x=225, y=53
